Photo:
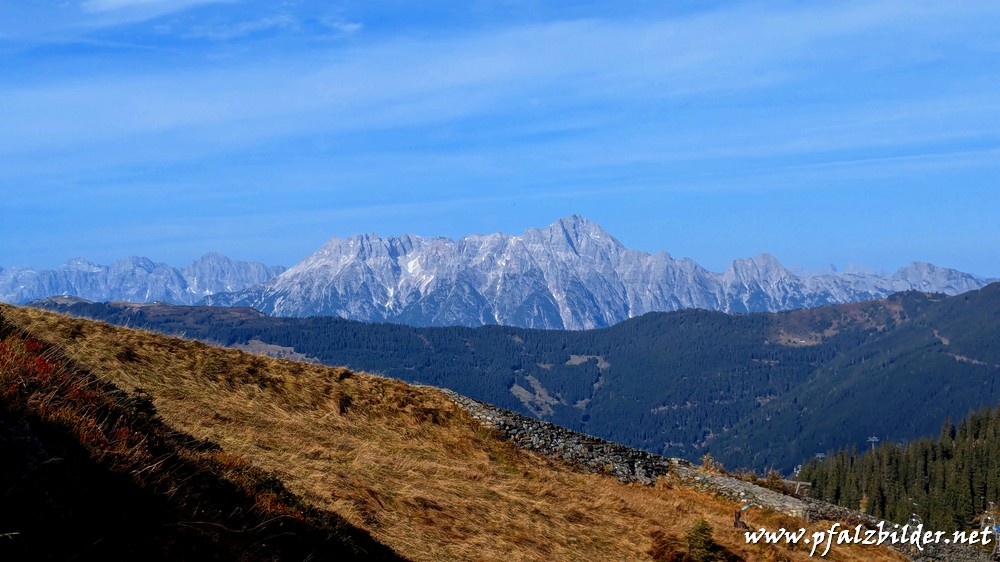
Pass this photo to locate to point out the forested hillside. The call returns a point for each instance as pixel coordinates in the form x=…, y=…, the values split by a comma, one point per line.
x=948, y=481
x=757, y=390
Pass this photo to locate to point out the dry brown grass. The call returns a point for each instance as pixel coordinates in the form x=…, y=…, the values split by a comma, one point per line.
x=403, y=462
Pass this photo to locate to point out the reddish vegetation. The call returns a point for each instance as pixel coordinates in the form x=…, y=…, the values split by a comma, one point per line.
x=95, y=468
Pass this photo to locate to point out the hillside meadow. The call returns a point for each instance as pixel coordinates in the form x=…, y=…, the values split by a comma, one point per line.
x=370, y=456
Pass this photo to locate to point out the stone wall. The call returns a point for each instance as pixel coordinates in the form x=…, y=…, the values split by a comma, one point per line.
x=597, y=455
x=633, y=465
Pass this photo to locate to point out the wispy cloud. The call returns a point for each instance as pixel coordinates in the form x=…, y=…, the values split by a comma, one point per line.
x=343, y=27
x=97, y=15
x=529, y=73
x=157, y=7
x=225, y=32
x=563, y=111
x=277, y=22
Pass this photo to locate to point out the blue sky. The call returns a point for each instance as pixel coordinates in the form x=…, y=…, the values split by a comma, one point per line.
x=822, y=133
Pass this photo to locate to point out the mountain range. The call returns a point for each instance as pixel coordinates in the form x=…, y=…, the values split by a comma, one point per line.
x=134, y=279
x=571, y=274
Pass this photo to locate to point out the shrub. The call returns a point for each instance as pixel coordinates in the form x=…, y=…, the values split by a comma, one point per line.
x=701, y=546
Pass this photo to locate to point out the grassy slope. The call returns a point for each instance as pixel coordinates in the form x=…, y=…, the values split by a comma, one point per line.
x=89, y=472
x=401, y=462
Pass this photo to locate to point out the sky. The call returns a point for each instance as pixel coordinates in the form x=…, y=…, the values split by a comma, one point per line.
x=823, y=133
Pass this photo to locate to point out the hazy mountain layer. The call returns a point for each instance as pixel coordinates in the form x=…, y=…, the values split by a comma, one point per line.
x=134, y=279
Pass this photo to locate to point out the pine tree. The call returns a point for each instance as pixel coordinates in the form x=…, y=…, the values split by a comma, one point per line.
x=701, y=545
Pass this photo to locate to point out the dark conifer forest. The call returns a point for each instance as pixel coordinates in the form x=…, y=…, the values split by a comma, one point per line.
x=948, y=481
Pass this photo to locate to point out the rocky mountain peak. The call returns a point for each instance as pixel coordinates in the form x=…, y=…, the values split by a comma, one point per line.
x=761, y=266
x=574, y=232
x=81, y=264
